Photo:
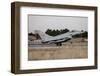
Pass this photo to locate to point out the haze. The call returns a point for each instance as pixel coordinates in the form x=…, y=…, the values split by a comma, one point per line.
x=42, y=22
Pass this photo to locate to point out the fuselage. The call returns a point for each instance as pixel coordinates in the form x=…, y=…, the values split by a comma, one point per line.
x=57, y=39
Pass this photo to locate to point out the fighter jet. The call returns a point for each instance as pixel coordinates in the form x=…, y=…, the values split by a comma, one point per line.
x=59, y=39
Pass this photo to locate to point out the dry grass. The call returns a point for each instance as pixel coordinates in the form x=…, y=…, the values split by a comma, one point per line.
x=61, y=52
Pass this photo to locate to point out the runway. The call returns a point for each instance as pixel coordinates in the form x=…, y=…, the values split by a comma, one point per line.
x=64, y=45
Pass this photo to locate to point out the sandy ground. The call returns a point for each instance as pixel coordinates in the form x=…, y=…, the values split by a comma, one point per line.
x=66, y=51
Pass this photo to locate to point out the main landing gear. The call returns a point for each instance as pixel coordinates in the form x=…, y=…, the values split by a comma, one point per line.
x=59, y=44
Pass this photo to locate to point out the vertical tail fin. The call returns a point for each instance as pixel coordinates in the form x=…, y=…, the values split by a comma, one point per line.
x=43, y=36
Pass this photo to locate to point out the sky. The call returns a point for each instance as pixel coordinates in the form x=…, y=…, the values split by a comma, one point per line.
x=44, y=22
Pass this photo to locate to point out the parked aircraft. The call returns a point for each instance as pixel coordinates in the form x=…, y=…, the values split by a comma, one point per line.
x=59, y=39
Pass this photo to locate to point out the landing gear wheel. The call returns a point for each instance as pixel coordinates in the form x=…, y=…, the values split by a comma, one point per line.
x=59, y=44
